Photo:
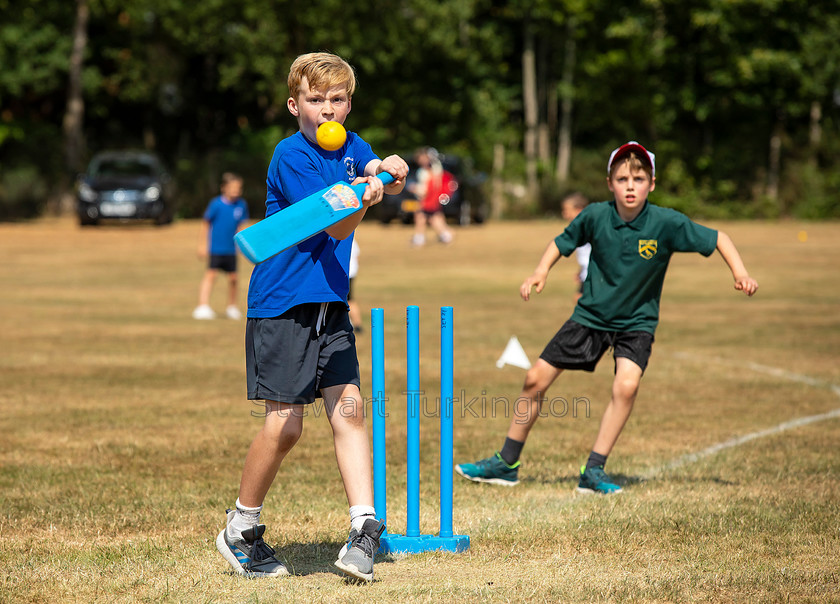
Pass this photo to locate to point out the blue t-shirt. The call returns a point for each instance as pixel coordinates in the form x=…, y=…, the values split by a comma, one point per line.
x=224, y=218
x=314, y=270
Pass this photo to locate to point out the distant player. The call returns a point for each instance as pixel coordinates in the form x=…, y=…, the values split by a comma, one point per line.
x=571, y=206
x=632, y=242
x=223, y=217
x=352, y=304
x=299, y=342
x=434, y=186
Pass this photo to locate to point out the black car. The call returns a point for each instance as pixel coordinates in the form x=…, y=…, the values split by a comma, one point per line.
x=466, y=203
x=125, y=185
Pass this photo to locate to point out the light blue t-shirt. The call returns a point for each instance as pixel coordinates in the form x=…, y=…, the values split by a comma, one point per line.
x=224, y=218
x=314, y=270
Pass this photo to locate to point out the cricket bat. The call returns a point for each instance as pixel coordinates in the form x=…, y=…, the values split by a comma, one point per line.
x=302, y=220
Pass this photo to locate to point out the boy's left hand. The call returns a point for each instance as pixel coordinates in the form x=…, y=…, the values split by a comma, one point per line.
x=393, y=165
x=747, y=284
x=396, y=167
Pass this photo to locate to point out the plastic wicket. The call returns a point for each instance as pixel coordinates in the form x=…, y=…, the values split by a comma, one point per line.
x=413, y=541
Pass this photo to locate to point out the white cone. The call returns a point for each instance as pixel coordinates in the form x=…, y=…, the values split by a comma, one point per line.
x=514, y=355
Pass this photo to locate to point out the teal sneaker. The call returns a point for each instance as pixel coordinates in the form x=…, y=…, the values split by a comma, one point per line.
x=493, y=470
x=595, y=480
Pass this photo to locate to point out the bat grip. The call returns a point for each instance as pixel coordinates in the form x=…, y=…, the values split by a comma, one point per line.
x=385, y=177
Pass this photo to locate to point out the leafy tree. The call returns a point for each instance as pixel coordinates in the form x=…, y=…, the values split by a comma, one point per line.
x=738, y=98
x=34, y=53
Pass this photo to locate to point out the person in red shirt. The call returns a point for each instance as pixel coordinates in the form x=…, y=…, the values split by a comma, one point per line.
x=433, y=188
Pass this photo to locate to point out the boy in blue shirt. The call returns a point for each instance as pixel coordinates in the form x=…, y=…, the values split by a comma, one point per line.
x=299, y=341
x=632, y=243
x=223, y=217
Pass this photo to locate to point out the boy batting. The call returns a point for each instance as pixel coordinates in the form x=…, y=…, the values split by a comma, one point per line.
x=632, y=243
x=299, y=342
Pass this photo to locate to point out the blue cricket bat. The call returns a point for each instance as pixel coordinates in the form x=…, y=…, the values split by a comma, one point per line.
x=302, y=220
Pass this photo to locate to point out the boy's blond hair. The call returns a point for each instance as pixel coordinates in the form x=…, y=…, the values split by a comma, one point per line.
x=635, y=162
x=322, y=71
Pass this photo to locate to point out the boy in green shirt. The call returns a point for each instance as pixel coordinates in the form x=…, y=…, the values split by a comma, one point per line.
x=632, y=243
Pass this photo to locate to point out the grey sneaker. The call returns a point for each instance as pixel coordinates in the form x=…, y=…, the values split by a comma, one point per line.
x=493, y=470
x=356, y=557
x=250, y=556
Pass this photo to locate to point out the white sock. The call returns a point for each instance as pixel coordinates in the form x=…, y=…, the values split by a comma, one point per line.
x=360, y=513
x=243, y=519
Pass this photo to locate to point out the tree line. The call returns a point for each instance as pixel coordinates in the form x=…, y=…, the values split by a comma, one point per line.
x=740, y=100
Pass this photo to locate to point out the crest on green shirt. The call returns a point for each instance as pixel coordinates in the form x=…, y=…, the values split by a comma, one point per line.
x=647, y=248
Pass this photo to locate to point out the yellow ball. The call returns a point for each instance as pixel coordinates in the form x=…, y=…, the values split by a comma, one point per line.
x=331, y=135
x=803, y=236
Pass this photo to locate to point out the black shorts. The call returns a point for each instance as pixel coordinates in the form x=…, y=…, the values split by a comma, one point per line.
x=289, y=360
x=223, y=262
x=576, y=346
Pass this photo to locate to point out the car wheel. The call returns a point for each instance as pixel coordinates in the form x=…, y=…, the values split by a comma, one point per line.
x=85, y=220
x=480, y=216
x=164, y=218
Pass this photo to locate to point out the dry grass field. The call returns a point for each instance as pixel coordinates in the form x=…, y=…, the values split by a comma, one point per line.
x=124, y=427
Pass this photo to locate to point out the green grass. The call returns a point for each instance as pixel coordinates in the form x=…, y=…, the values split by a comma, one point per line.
x=124, y=427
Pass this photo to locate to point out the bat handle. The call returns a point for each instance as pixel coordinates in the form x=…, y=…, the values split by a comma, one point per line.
x=385, y=177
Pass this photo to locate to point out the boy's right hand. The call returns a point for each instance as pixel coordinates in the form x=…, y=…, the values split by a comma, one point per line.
x=373, y=192
x=536, y=280
x=746, y=284
x=549, y=257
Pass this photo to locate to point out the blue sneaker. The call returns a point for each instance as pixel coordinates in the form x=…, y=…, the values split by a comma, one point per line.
x=249, y=556
x=595, y=480
x=493, y=470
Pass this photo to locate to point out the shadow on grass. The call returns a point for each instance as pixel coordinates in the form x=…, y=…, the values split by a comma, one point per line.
x=682, y=479
x=624, y=480
x=571, y=482
x=567, y=481
x=304, y=559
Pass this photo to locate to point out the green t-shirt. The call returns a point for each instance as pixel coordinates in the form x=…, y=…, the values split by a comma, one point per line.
x=628, y=262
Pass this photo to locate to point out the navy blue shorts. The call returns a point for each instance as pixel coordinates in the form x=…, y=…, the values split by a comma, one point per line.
x=576, y=346
x=223, y=262
x=289, y=359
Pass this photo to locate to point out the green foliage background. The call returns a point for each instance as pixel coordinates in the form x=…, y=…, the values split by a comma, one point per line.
x=704, y=83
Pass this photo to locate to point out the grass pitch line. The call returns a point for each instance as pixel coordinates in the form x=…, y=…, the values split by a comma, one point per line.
x=739, y=440
x=794, y=377
x=758, y=368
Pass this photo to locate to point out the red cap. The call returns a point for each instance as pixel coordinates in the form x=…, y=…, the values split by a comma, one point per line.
x=633, y=146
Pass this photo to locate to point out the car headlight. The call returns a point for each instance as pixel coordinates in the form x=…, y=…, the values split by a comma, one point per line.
x=86, y=193
x=152, y=194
